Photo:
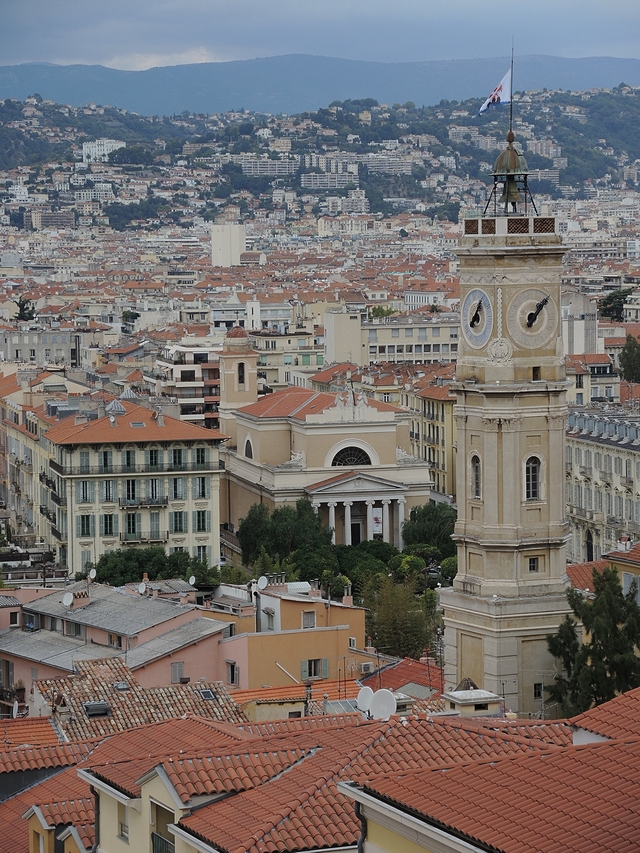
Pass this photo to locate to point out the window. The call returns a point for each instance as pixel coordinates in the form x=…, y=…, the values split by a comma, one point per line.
x=476, y=473
x=177, y=459
x=270, y=621
x=248, y=450
x=201, y=487
x=72, y=629
x=153, y=489
x=241, y=373
x=202, y=554
x=123, y=822
x=14, y=617
x=178, y=522
x=534, y=564
x=233, y=673
x=177, y=488
x=115, y=640
x=133, y=525
x=537, y=690
x=201, y=457
x=532, y=479
x=349, y=456
x=84, y=461
x=177, y=671
x=84, y=491
x=109, y=528
x=187, y=376
x=108, y=491
x=154, y=525
x=308, y=618
x=130, y=491
x=153, y=459
x=129, y=460
x=314, y=668
x=86, y=525
x=201, y=521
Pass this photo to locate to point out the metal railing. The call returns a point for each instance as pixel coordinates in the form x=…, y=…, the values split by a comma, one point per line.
x=146, y=536
x=142, y=468
x=160, y=844
x=133, y=502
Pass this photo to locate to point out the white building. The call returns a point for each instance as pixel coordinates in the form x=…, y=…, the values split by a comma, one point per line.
x=228, y=242
x=99, y=150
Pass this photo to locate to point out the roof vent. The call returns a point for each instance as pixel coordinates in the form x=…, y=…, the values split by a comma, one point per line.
x=98, y=708
x=121, y=685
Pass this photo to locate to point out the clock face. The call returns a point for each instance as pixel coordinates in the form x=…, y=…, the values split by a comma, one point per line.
x=476, y=318
x=532, y=318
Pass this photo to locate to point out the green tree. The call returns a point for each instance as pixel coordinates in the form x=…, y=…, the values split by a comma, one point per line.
x=281, y=533
x=378, y=312
x=607, y=662
x=431, y=524
x=612, y=305
x=449, y=569
x=630, y=360
x=26, y=311
x=253, y=532
x=397, y=622
x=129, y=565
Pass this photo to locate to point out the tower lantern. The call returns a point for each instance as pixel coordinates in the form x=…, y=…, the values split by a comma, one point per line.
x=510, y=174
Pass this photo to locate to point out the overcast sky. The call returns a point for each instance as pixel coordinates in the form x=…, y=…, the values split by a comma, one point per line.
x=135, y=34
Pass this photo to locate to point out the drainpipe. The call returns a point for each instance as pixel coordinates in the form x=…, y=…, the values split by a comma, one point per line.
x=96, y=820
x=363, y=827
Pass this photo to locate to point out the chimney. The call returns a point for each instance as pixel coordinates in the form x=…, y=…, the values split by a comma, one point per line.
x=160, y=419
x=145, y=577
x=154, y=592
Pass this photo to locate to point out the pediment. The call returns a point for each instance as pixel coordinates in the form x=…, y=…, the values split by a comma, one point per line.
x=355, y=483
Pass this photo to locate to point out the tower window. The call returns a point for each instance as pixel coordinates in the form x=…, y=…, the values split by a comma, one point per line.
x=351, y=456
x=534, y=564
x=476, y=472
x=532, y=479
x=241, y=372
x=248, y=450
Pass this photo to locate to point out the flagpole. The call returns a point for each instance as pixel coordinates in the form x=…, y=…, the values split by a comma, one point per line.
x=511, y=99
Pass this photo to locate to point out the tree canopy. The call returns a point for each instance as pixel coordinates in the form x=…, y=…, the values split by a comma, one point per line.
x=129, y=565
x=607, y=663
x=630, y=360
x=281, y=532
x=431, y=524
x=26, y=311
x=612, y=305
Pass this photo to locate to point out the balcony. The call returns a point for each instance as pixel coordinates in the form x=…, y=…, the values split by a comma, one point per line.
x=159, y=844
x=586, y=471
x=59, y=500
x=627, y=482
x=145, y=536
x=98, y=470
x=606, y=476
x=46, y=481
x=133, y=502
x=56, y=533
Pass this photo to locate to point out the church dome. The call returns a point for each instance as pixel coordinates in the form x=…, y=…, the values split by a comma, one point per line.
x=237, y=332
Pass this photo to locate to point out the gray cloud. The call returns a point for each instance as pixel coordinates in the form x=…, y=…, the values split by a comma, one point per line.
x=141, y=33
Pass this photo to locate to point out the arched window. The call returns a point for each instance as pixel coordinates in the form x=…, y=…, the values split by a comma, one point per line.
x=241, y=372
x=532, y=479
x=476, y=474
x=248, y=450
x=351, y=456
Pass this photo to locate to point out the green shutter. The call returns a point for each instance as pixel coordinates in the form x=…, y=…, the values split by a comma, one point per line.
x=102, y=525
x=92, y=525
x=103, y=490
x=78, y=491
x=194, y=521
x=304, y=670
x=78, y=526
x=139, y=524
x=185, y=522
x=147, y=461
x=172, y=523
x=92, y=491
x=325, y=667
x=207, y=487
x=115, y=524
x=208, y=521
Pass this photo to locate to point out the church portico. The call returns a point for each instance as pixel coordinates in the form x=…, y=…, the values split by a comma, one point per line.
x=359, y=507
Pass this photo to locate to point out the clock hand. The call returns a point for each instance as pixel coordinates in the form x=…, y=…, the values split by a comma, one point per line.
x=533, y=316
x=476, y=317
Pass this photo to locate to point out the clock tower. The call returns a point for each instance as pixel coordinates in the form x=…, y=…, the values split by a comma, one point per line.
x=509, y=593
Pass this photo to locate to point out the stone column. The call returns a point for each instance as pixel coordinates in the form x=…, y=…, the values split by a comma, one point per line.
x=385, y=520
x=316, y=506
x=401, y=503
x=370, y=519
x=332, y=520
x=347, y=522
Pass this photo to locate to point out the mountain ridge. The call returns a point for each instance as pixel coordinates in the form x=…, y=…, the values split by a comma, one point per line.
x=294, y=83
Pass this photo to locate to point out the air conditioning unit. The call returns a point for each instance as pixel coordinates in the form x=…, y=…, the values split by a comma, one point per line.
x=366, y=668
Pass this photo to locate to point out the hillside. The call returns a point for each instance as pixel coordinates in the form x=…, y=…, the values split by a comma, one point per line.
x=294, y=83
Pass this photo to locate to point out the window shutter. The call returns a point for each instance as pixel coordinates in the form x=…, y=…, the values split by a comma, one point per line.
x=78, y=491
x=115, y=524
x=92, y=491
x=103, y=490
x=160, y=459
x=78, y=526
x=185, y=522
x=209, y=556
x=194, y=456
x=92, y=525
x=172, y=523
x=206, y=456
x=102, y=525
x=139, y=523
x=194, y=521
x=304, y=670
x=177, y=672
x=325, y=667
x=207, y=487
x=147, y=459
x=208, y=521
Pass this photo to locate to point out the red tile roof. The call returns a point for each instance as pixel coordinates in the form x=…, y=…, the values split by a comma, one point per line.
x=407, y=671
x=581, y=574
x=572, y=800
x=615, y=719
x=28, y=731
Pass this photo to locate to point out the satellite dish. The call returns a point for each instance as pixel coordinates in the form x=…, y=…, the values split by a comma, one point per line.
x=262, y=582
x=364, y=698
x=67, y=599
x=92, y=574
x=192, y=580
x=142, y=588
x=14, y=713
x=383, y=705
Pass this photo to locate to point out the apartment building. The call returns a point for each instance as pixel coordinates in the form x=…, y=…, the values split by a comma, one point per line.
x=132, y=477
x=351, y=336
x=602, y=481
